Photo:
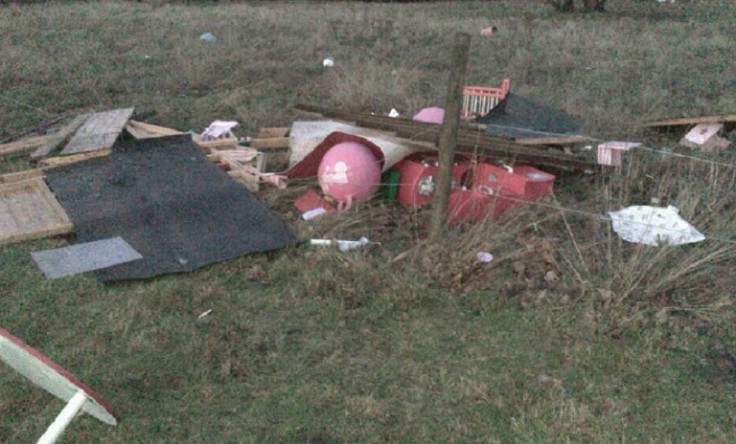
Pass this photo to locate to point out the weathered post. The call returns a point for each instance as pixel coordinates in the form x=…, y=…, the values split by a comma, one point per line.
x=448, y=133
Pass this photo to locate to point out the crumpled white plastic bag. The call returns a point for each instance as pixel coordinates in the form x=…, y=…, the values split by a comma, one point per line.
x=218, y=129
x=648, y=225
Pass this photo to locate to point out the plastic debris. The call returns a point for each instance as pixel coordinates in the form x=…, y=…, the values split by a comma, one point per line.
x=219, y=129
x=648, y=225
x=328, y=62
x=489, y=31
x=430, y=115
x=610, y=153
x=393, y=113
x=208, y=37
x=311, y=214
x=204, y=314
x=344, y=245
x=484, y=256
x=705, y=136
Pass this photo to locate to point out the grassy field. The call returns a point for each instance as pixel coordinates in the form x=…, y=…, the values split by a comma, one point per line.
x=569, y=335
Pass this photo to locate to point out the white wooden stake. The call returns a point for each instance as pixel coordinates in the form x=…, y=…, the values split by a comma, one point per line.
x=64, y=418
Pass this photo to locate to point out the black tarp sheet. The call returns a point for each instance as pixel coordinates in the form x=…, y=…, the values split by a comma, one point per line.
x=167, y=201
x=518, y=117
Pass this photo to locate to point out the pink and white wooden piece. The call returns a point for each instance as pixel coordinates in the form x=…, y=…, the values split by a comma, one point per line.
x=48, y=375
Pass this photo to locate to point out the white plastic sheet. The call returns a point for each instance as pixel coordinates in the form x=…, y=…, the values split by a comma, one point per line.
x=648, y=225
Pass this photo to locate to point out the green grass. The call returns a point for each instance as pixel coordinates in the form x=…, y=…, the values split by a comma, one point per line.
x=406, y=342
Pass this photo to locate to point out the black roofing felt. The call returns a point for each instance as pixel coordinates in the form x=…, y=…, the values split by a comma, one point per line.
x=518, y=117
x=168, y=202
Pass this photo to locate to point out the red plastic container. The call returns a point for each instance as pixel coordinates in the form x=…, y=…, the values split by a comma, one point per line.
x=476, y=205
x=520, y=180
x=418, y=180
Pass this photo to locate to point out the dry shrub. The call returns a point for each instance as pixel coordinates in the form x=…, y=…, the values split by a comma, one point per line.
x=620, y=275
x=452, y=263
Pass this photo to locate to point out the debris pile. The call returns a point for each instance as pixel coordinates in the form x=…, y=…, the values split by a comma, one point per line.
x=105, y=169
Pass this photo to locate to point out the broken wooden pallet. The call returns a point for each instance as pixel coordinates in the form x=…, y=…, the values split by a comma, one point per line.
x=28, y=210
x=243, y=165
x=273, y=142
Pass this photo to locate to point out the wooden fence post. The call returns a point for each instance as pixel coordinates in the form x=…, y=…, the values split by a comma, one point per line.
x=448, y=134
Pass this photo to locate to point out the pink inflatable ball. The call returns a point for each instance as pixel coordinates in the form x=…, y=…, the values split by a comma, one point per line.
x=349, y=172
x=430, y=115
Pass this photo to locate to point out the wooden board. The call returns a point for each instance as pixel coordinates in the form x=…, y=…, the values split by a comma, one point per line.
x=28, y=210
x=685, y=121
x=50, y=376
x=98, y=132
x=266, y=133
x=23, y=146
x=53, y=162
x=216, y=144
x=21, y=175
x=60, y=137
x=147, y=130
x=270, y=143
x=554, y=140
x=139, y=134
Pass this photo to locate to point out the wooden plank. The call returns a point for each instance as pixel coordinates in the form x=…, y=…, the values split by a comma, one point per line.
x=267, y=133
x=98, y=132
x=28, y=210
x=270, y=143
x=243, y=155
x=24, y=146
x=153, y=129
x=60, y=137
x=139, y=134
x=554, y=140
x=21, y=175
x=217, y=143
x=53, y=162
x=725, y=118
x=470, y=141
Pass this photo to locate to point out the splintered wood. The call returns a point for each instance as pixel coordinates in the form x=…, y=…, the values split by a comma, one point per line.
x=28, y=210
